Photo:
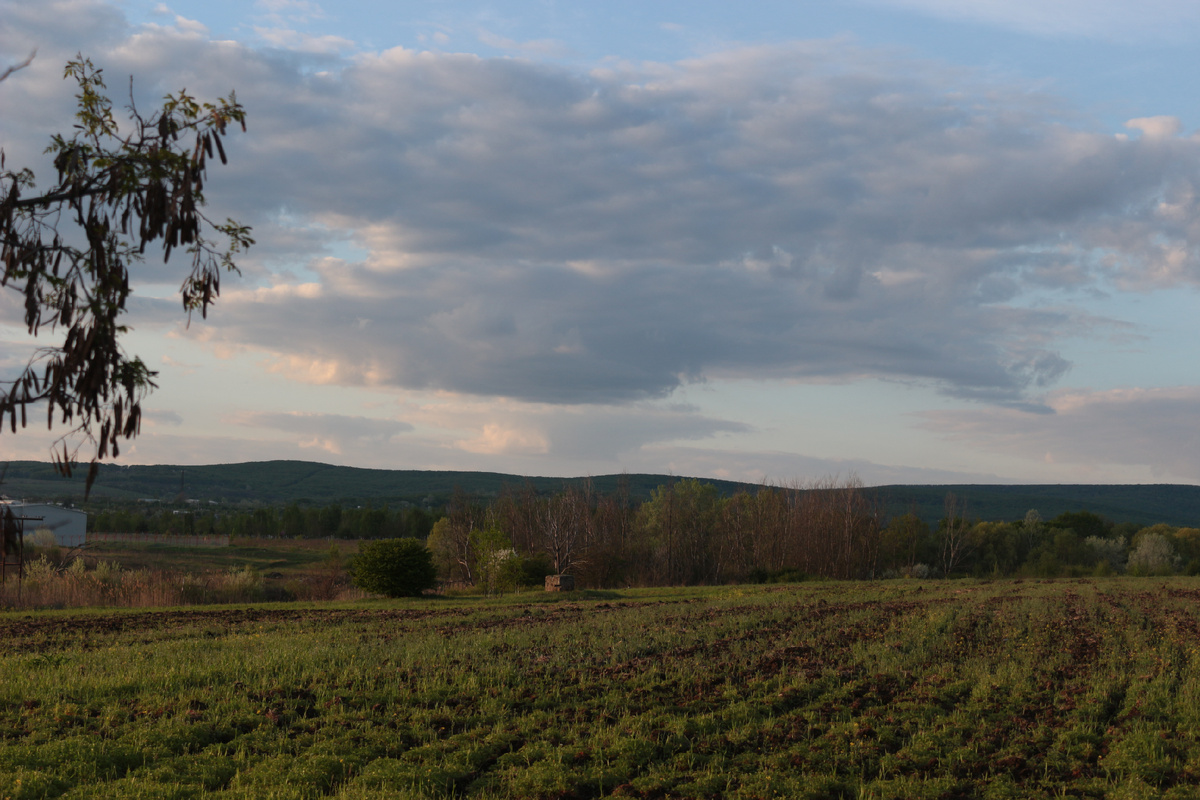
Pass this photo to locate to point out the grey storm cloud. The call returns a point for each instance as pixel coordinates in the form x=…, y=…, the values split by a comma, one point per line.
x=807, y=211
x=552, y=335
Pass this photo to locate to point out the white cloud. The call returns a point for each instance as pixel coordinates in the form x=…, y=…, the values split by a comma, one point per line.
x=289, y=39
x=497, y=439
x=1161, y=127
x=334, y=433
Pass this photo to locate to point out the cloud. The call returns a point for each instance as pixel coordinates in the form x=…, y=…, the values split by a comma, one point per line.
x=283, y=22
x=279, y=10
x=1150, y=428
x=445, y=432
x=163, y=417
x=333, y=433
x=1161, y=127
x=1113, y=20
x=571, y=435
x=778, y=468
x=497, y=439
x=529, y=440
x=745, y=214
x=544, y=48
x=803, y=212
x=289, y=39
x=14, y=356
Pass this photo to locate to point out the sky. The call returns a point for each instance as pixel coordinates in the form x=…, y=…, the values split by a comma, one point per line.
x=916, y=241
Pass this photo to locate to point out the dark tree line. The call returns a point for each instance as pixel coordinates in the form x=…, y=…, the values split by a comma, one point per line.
x=688, y=533
x=290, y=522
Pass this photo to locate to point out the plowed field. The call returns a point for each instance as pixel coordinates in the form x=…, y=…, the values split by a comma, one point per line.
x=900, y=689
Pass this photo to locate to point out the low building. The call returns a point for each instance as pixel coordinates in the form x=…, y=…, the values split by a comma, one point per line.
x=69, y=525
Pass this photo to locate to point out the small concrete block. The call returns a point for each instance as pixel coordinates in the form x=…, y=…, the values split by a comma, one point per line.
x=560, y=583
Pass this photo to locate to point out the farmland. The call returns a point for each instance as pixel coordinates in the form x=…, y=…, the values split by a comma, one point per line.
x=887, y=689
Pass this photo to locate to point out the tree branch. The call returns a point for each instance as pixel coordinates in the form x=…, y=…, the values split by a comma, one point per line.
x=16, y=67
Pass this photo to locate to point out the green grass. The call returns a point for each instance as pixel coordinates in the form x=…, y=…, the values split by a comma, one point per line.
x=893, y=689
x=289, y=557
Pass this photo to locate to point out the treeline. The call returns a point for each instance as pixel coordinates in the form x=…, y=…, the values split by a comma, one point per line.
x=689, y=533
x=292, y=521
x=1069, y=545
x=686, y=533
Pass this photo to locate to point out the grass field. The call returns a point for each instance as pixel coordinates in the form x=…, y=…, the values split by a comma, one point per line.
x=899, y=689
x=288, y=557
x=117, y=574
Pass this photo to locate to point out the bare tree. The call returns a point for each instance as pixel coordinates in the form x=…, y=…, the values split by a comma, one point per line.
x=565, y=521
x=954, y=535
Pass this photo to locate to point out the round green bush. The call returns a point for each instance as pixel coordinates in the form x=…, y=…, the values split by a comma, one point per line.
x=394, y=567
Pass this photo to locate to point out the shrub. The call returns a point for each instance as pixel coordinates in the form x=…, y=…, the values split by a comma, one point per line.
x=1153, y=555
x=394, y=567
x=493, y=555
x=43, y=543
x=1108, y=552
x=527, y=571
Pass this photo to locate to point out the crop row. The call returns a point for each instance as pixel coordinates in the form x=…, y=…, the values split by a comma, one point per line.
x=893, y=689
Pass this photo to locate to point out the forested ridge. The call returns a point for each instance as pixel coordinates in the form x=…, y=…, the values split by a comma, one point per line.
x=278, y=483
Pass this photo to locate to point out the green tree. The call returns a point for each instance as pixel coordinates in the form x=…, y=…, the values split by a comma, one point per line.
x=121, y=192
x=1108, y=553
x=679, y=521
x=996, y=548
x=900, y=542
x=292, y=521
x=329, y=520
x=1153, y=554
x=418, y=523
x=394, y=567
x=1084, y=523
x=1187, y=546
x=265, y=522
x=450, y=544
x=372, y=523
x=491, y=550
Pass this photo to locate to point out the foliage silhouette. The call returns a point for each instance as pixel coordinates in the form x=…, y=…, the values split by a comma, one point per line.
x=69, y=251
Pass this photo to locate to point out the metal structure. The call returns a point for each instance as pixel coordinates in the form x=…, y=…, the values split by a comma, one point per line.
x=69, y=525
x=12, y=549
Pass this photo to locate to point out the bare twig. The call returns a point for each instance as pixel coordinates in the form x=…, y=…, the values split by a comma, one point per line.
x=16, y=67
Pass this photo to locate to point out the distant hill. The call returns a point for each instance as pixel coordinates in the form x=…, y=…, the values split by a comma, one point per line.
x=300, y=481
x=279, y=482
x=1145, y=504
